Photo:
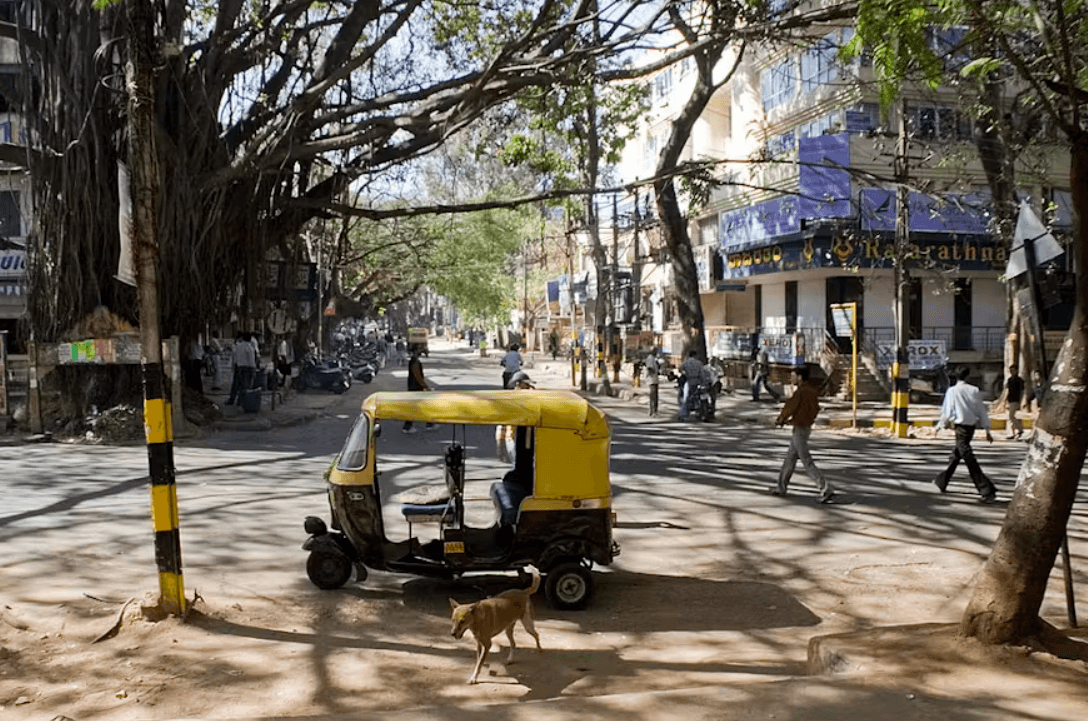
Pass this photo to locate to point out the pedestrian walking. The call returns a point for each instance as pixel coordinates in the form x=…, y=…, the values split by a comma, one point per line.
x=245, y=367
x=1014, y=394
x=963, y=408
x=651, y=368
x=1038, y=391
x=691, y=370
x=801, y=410
x=416, y=382
x=761, y=373
x=511, y=364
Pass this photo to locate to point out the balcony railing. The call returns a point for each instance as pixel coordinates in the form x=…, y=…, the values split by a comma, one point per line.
x=956, y=338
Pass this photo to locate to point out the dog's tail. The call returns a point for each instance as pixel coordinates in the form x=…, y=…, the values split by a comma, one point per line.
x=536, y=582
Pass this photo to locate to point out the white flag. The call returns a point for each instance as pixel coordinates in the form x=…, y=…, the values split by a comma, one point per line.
x=1030, y=228
x=125, y=271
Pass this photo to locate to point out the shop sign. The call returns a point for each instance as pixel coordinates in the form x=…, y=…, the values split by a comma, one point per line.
x=928, y=214
x=12, y=264
x=923, y=354
x=733, y=345
x=972, y=253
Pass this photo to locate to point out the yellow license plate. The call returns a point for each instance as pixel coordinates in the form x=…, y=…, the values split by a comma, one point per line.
x=454, y=547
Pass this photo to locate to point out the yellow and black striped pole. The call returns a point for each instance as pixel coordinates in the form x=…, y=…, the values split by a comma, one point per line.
x=164, y=498
x=901, y=393
x=145, y=190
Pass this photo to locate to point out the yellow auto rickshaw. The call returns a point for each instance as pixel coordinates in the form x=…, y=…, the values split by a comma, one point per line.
x=551, y=507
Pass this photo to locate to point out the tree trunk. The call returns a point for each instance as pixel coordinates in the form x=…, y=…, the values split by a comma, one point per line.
x=1008, y=594
x=674, y=229
x=674, y=226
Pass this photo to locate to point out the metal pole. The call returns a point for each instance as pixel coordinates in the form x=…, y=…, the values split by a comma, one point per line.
x=1067, y=572
x=613, y=288
x=1034, y=311
x=146, y=188
x=854, y=360
x=525, y=298
x=901, y=367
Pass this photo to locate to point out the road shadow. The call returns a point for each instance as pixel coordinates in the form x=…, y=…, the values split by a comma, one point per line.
x=625, y=600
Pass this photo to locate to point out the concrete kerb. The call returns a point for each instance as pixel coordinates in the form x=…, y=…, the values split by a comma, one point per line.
x=737, y=405
x=290, y=409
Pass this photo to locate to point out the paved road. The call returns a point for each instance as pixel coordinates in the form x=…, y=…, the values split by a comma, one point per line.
x=696, y=522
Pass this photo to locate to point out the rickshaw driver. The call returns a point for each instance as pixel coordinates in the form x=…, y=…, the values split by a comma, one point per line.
x=517, y=483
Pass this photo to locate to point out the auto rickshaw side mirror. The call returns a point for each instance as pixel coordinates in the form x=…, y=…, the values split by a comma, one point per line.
x=377, y=430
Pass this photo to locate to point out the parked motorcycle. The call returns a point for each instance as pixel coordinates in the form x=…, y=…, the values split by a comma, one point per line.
x=324, y=375
x=362, y=361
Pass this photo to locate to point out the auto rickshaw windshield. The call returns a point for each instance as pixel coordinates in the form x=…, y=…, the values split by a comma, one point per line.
x=354, y=454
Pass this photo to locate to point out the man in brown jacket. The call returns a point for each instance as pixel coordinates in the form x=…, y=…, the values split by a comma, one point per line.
x=801, y=410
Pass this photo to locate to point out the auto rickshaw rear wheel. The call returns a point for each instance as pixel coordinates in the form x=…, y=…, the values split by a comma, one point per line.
x=569, y=586
x=328, y=570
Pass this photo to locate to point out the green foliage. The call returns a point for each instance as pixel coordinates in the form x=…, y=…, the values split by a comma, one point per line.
x=471, y=262
x=895, y=33
x=574, y=127
x=471, y=30
x=698, y=183
x=534, y=153
x=980, y=67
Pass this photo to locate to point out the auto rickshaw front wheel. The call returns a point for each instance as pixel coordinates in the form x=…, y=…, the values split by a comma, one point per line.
x=328, y=570
x=569, y=586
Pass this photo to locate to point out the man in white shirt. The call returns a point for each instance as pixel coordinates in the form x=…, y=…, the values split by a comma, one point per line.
x=963, y=408
x=245, y=367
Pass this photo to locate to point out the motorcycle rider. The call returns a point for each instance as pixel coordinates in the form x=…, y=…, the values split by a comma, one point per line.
x=711, y=380
x=692, y=372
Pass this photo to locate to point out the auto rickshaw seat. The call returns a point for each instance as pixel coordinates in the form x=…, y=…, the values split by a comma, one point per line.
x=446, y=510
x=508, y=495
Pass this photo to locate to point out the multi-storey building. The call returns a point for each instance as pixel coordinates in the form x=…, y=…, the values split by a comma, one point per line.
x=807, y=216
x=14, y=194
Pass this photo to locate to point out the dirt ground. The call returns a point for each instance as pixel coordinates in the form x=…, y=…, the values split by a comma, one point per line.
x=386, y=646
x=697, y=636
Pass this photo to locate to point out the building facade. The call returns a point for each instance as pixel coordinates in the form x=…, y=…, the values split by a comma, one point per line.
x=806, y=217
x=14, y=195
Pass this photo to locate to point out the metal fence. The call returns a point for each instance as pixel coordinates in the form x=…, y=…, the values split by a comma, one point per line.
x=956, y=338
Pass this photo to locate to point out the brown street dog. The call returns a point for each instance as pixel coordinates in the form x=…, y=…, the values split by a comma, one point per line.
x=491, y=616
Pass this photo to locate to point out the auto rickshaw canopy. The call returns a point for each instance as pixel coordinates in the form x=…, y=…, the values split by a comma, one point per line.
x=550, y=409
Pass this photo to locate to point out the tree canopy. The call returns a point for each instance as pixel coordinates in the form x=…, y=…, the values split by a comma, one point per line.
x=268, y=113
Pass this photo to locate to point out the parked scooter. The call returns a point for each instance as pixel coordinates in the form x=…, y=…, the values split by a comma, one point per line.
x=325, y=375
x=362, y=361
